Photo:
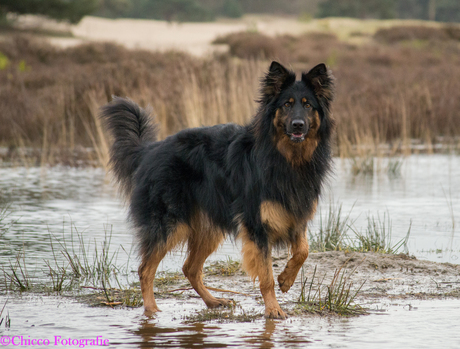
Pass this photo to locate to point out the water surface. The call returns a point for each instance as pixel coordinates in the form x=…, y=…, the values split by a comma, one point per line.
x=61, y=204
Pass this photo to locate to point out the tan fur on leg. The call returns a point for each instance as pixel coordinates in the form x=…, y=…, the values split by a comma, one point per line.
x=149, y=265
x=299, y=255
x=258, y=265
x=147, y=271
x=204, y=240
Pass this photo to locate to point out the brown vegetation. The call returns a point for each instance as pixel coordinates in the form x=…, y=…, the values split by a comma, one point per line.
x=420, y=32
x=387, y=93
x=390, y=91
x=49, y=97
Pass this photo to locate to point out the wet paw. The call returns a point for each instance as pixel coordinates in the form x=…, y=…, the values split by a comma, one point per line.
x=285, y=281
x=150, y=311
x=275, y=313
x=220, y=302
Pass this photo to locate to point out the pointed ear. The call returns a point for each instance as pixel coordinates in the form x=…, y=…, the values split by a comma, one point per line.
x=320, y=79
x=273, y=82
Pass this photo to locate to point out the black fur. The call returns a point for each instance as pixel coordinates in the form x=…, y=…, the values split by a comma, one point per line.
x=226, y=170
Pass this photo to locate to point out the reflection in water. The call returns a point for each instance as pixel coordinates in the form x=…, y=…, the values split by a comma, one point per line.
x=260, y=334
x=190, y=336
x=265, y=339
x=426, y=324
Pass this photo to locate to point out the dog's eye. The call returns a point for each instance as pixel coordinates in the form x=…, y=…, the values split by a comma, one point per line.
x=287, y=104
x=307, y=105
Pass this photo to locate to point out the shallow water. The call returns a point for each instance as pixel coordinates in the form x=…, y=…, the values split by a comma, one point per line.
x=58, y=202
x=418, y=324
x=64, y=201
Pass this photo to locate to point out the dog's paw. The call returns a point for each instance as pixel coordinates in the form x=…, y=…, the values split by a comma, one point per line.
x=150, y=311
x=220, y=302
x=275, y=313
x=285, y=280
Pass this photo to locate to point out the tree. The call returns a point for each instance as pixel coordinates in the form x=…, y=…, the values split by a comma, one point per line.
x=382, y=9
x=170, y=10
x=448, y=10
x=71, y=10
x=232, y=9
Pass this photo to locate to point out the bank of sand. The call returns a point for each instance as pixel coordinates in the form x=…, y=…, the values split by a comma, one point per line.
x=395, y=279
x=196, y=38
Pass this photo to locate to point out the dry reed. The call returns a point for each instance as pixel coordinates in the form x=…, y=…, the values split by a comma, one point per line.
x=393, y=94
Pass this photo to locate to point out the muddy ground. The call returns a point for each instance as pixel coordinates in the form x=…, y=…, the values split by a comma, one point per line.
x=384, y=278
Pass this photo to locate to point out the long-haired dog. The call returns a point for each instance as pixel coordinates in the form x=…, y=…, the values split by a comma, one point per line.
x=259, y=183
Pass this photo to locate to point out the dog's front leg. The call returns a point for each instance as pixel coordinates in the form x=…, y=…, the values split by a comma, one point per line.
x=258, y=264
x=299, y=255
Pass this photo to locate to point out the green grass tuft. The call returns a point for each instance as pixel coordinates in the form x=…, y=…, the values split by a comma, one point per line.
x=336, y=232
x=338, y=297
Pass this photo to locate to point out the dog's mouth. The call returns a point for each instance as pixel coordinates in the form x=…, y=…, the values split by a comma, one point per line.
x=297, y=136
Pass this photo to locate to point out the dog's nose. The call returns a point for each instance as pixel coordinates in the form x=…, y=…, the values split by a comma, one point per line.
x=298, y=124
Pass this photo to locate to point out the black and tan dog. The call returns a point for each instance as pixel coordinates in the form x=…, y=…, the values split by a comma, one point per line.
x=259, y=183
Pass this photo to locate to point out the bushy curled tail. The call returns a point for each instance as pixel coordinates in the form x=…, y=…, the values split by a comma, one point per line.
x=131, y=129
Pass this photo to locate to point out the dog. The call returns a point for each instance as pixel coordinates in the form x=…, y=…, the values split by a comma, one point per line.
x=259, y=183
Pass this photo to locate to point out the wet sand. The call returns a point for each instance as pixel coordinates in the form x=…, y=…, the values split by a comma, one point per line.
x=384, y=278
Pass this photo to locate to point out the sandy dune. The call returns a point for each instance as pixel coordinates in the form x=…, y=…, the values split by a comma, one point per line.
x=196, y=38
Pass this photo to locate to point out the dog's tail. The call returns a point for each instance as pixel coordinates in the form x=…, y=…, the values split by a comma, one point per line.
x=131, y=129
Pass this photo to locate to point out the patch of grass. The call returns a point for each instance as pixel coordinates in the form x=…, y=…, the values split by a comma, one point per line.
x=16, y=276
x=336, y=232
x=338, y=297
x=333, y=231
x=164, y=279
x=87, y=261
x=234, y=314
x=223, y=268
x=130, y=297
x=377, y=237
x=74, y=263
x=5, y=318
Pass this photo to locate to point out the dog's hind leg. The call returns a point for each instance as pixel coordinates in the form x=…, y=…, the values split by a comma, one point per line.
x=258, y=263
x=299, y=251
x=147, y=271
x=200, y=246
x=150, y=262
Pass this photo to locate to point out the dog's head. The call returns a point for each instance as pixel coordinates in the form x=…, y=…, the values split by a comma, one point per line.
x=299, y=109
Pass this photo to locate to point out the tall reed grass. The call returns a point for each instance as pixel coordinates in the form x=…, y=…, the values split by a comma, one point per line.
x=50, y=112
x=388, y=92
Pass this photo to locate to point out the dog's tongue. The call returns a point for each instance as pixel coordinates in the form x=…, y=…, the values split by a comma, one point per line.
x=298, y=135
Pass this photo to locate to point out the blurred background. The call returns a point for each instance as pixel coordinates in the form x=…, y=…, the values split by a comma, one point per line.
x=197, y=62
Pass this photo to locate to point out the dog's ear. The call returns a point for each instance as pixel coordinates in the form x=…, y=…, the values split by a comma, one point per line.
x=320, y=79
x=274, y=81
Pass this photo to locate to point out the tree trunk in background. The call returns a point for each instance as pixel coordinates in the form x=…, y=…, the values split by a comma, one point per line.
x=432, y=10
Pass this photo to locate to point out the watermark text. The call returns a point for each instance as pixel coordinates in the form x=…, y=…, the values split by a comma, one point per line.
x=56, y=341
